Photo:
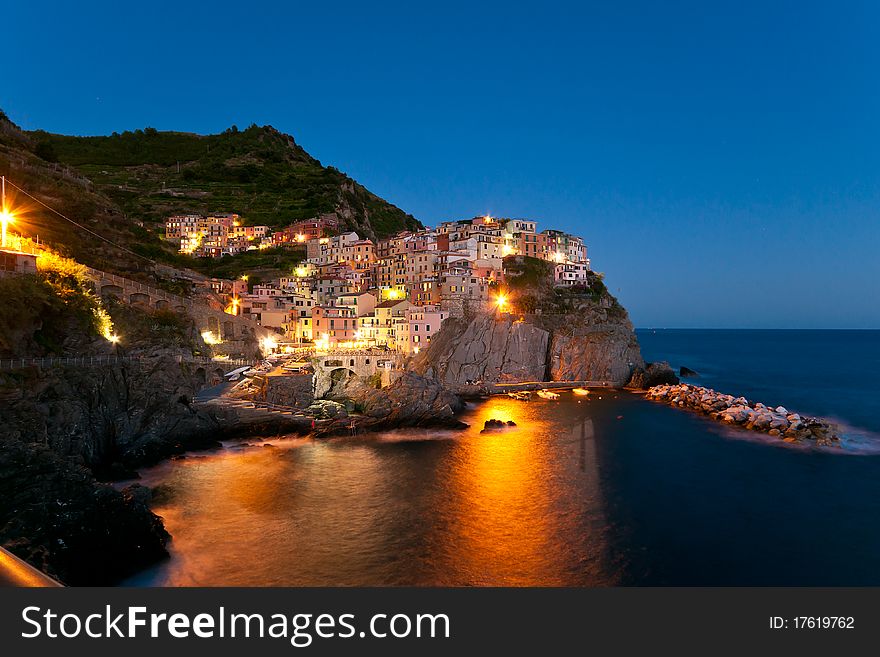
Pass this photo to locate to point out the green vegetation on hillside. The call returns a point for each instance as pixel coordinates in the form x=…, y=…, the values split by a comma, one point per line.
x=265, y=262
x=530, y=283
x=259, y=173
x=45, y=313
x=123, y=186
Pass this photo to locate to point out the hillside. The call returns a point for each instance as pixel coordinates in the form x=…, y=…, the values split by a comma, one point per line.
x=124, y=185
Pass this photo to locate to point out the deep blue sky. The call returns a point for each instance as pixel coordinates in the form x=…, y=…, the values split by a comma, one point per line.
x=723, y=161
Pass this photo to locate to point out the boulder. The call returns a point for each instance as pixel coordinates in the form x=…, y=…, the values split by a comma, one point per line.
x=653, y=374
x=497, y=425
x=687, y=372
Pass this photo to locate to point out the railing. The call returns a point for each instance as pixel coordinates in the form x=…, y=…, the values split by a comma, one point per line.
x=390, y=353
x=29, y=246
x=15, y=572
x=87, y=361
x=139, y=287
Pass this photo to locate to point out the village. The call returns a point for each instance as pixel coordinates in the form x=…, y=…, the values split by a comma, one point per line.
x=348, y=292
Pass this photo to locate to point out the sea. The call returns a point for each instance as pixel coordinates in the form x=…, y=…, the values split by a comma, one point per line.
x=605, y=489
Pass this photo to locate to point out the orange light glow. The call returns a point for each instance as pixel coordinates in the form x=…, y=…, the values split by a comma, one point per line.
x=6, y=218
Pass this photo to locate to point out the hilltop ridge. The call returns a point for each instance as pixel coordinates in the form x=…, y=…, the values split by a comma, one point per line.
x=124, y=185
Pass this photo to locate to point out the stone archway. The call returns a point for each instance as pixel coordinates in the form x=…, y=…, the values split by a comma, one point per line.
x=111, y=291
x=341, y=375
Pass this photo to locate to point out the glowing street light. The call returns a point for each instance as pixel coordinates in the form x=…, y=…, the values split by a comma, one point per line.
x=502, y=302
x=210, y=338
x=113, y=338
x=5, y=215
x=6, y=218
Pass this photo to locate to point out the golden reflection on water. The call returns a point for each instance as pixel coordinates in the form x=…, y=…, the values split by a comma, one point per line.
x=507, y=518
x=520, y=506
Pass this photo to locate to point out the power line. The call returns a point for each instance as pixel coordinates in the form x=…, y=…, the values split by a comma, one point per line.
x=80, y=226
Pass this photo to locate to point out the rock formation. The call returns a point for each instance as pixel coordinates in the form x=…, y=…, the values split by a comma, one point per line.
x=776, y=421
x=510, y=348
x=653, y=374
x=62, y=427
x=569, y=333
x=411, y=401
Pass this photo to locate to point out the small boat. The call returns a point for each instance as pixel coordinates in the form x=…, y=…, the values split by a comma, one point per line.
x=521, y=396
x=546, y=394
x=580, y=391
x=235, y=374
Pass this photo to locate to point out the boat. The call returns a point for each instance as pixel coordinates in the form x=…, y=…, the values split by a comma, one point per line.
x=521, y=396
x=546, y=394
x=580, y=391
x=236, y=373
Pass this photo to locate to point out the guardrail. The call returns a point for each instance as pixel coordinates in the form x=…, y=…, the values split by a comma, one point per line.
x=357, y=352
x=140, y=287
x=15, y=572
x=88, y=361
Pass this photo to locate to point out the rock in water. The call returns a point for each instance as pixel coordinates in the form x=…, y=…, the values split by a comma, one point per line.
x=654, y=374
x=497, y=425
x=687, y=372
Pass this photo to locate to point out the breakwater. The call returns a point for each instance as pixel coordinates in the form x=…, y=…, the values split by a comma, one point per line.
x=775, y=421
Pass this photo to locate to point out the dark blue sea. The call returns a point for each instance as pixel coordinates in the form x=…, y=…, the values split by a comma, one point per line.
x=603, y=490
x=834, y=374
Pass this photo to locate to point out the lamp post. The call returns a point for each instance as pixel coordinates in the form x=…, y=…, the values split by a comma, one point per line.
x=5, y=217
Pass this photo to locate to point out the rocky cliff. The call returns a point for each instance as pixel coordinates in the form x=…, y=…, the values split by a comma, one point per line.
x=411, y=401
x=61, y=428
x=563, y=335
x=110, y=418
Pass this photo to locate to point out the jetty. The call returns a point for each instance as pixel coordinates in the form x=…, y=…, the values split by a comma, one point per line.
x=756, y=416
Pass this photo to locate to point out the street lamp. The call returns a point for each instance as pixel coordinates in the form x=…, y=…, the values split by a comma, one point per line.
x=6, y=218
x=5, y=215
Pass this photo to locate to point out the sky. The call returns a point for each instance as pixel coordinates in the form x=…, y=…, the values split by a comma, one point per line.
x=721, y=160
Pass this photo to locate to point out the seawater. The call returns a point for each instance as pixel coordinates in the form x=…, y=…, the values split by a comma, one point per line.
x=599, y=491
